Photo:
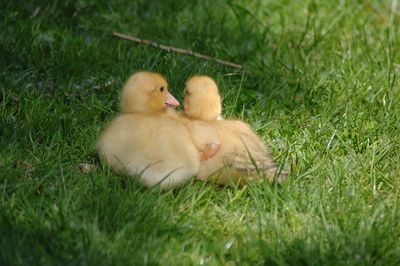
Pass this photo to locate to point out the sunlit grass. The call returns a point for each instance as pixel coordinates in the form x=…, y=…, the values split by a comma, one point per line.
x=320, y=87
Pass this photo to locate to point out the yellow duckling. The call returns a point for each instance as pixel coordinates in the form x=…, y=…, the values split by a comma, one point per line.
x=144, y=141
x=242, y=157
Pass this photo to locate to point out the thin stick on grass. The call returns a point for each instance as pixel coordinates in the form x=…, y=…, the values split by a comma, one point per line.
x=174, y=49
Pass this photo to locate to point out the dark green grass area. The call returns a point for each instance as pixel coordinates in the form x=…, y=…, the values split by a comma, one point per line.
x=320, y=87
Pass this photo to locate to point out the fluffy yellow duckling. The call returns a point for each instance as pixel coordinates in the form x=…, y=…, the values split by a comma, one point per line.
x=242, y=156
x=202, y=103
x=144, y=141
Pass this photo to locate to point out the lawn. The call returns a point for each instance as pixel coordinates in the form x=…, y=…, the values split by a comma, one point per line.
x=319, y=85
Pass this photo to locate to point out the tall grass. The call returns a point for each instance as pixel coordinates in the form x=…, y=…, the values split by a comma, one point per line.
x=320, y=87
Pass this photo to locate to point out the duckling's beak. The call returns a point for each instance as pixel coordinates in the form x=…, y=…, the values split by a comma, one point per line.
x=170, y=101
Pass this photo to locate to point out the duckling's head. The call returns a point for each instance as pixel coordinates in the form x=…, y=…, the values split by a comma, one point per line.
x=146, y=92
x=202, y=100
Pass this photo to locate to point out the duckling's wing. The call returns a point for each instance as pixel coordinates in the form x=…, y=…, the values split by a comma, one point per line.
x=246, y=162
x=266, y=167
x=254, y=157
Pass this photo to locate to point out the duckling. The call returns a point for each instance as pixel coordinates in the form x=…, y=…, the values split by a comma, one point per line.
x=241, y=157
x=202, y=103
x=144, y=141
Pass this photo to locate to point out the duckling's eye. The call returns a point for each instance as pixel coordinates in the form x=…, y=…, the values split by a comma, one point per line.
x=162, y=89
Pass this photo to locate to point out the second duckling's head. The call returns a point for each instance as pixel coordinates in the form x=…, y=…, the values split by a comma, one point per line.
x=146, y=92
x=202, y=100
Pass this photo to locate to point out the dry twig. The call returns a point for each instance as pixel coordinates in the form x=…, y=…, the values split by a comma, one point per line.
x=174, y=49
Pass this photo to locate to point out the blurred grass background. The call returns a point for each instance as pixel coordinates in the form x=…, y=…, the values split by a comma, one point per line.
x=320, y=87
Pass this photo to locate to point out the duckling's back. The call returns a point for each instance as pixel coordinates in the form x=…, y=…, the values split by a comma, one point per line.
x=153, y=147
x=242, y=157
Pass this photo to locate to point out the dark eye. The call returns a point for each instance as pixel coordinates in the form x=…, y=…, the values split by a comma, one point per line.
x=162, y=89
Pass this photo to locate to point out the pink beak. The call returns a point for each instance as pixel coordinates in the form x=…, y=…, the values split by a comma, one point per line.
x=171, y=101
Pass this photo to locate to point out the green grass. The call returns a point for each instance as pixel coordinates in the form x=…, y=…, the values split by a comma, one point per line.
x=320, y=87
